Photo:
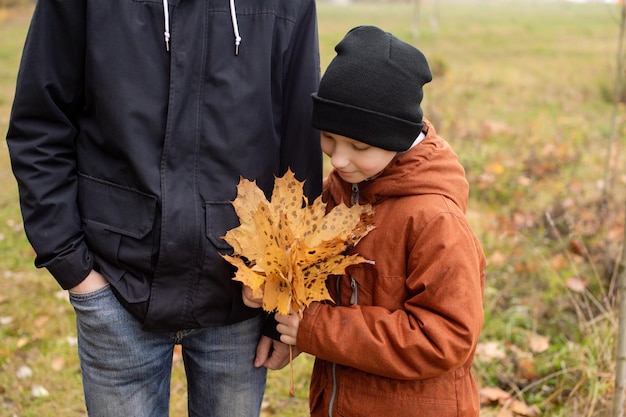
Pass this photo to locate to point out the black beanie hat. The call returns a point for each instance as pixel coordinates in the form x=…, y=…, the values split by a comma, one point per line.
x=372, y=90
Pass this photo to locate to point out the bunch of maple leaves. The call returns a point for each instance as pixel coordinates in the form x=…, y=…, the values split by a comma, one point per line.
x=285, y=248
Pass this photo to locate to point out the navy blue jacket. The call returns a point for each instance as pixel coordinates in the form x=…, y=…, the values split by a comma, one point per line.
x=127, y=152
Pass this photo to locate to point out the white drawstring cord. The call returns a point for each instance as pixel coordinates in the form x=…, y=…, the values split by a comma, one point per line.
x=166, y=15
x=233, y=16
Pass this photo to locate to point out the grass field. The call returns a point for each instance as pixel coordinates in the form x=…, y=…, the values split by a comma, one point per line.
x=523, y=92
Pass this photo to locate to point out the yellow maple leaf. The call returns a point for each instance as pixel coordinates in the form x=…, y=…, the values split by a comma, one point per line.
x=284, y=248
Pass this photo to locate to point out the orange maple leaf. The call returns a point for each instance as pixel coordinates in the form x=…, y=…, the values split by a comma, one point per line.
x=285, y=248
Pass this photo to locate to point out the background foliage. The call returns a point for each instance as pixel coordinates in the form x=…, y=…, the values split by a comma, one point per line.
x=522, y=91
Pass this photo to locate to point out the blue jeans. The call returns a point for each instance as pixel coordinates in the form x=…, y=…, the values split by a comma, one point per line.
x=126, y=371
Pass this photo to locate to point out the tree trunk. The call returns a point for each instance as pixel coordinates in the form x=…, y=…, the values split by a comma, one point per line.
x=619, y=82
x=415, y=26
x=619, y=394
x=620, y=361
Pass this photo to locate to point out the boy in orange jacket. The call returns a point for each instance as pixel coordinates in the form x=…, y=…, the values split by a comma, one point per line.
x=399, y=338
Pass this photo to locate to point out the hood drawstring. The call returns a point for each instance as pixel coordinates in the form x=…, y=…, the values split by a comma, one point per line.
x=166, y=15
x=233, y=15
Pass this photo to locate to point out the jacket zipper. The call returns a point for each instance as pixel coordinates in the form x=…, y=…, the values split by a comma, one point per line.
x=334, y=365
x=354, y=199
x=354, y=299
x=334, y=392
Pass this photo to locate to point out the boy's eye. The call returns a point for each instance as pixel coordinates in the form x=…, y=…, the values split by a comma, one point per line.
x=359, y=147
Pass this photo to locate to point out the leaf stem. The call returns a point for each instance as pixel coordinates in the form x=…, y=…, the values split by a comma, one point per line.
x=291, y=383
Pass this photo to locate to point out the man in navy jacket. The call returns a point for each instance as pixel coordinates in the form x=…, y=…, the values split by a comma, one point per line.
x=131, y=126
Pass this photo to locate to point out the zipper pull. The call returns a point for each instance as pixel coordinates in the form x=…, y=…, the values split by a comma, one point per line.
x=354, y=199
x=354, y=298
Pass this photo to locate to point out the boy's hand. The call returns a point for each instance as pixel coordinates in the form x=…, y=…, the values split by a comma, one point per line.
x=246, y=295
x=288, y=327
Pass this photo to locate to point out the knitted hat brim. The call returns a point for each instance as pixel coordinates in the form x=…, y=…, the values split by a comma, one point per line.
x=367, y=126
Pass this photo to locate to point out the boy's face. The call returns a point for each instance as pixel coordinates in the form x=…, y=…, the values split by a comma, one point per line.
x=354, y=161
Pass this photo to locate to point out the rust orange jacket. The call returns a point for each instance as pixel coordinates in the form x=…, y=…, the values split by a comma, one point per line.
x=400, y=337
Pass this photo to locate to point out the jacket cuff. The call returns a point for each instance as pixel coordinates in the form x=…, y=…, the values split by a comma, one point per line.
x=71, y=269
x=269, y=327
x=307, y=324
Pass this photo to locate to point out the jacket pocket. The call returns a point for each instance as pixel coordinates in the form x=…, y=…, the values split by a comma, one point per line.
x=220, y=218
x=378, y=289
x=117, y=222
x=356, y=287
x=221, y=301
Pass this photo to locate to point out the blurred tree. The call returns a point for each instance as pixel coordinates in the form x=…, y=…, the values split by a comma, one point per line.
x=415, y=25
x=620, y=357
x=434, y=18
x=619, y=87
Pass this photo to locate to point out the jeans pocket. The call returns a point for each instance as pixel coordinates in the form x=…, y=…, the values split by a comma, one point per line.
x=125, y=370
x=85, y=296
x=100, y=309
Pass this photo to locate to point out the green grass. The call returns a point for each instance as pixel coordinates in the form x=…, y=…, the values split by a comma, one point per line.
x=522, y=92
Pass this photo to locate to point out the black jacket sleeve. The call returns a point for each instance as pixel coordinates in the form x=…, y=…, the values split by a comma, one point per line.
x=42, y=134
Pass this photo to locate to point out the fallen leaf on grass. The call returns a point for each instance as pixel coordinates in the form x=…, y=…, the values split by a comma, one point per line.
x=39, y=391
x=522, y=409
x=522, y=220
x=510, y=406
x=494, y=167
x=57, y=363
x=497, y=258
x=489, y=351
x=24, y=372
x=490, y=395
x=526, y=368
x=524, y=361
x=41, y=321
x=578, y=247
x=558, y=261
x=578, y=285
x=538, y=344
x=505, y=412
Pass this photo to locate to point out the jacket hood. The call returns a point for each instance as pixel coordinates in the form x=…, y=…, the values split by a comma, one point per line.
x=430, y=167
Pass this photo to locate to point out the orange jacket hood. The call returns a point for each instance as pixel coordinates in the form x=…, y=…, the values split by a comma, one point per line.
x=431, y=167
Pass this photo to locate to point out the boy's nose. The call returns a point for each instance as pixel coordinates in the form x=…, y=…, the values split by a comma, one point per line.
x=338, y=160
x=341, y=155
